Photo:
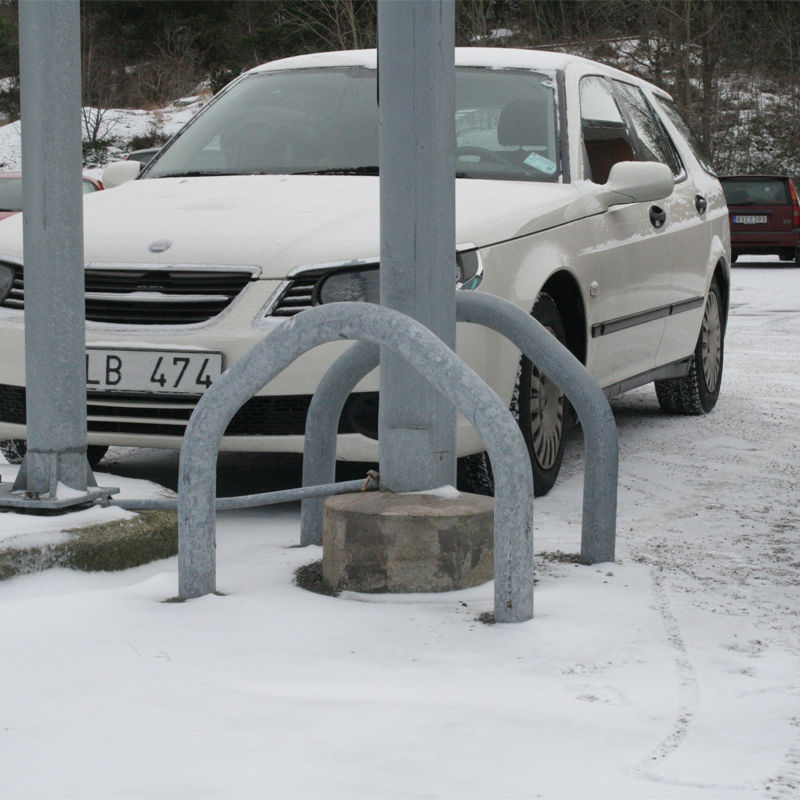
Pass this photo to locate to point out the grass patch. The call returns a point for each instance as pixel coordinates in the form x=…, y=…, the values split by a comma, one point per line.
x=107, y=546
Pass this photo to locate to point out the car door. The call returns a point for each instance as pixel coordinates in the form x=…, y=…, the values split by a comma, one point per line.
x=627, y=270
x=685, y=234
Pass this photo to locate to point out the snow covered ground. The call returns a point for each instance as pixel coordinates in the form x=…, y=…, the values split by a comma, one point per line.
x=672, y=673
x=121, y=124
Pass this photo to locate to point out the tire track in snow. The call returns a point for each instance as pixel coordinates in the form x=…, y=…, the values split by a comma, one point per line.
x=690, y=692
x=687, y=682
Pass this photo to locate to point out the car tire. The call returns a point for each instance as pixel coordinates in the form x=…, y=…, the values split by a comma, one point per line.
x=542, y=411
x=697, y=392
x=797, y=257
x=474, y=474
x=14, y=451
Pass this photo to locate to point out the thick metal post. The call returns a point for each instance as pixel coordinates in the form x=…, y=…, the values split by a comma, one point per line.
x=53, y=239
x=416, y=78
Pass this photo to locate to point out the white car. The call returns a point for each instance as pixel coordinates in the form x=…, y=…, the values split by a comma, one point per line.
x=266, y=203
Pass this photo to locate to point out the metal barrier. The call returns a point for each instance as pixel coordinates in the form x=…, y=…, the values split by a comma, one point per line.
x=602, y=457
x=431, y=358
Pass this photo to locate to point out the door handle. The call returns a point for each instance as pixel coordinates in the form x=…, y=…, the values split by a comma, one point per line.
x=657, y=216
x=701, y=204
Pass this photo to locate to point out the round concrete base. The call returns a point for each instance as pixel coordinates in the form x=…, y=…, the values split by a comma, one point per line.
x=384, y=542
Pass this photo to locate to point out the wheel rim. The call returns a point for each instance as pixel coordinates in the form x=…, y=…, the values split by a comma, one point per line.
x=712, y=342
x=547, y=419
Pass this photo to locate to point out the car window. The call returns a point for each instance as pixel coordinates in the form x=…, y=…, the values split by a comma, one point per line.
x=654, y=143
x=88, y=187
x=316, y=121
x=506, y=124
x=675, y=118
x=606, y=139
x=11, y=194
x=761, y=191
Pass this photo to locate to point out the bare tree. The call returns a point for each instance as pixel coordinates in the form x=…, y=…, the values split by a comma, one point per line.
x=335, y=24
x=174, y=68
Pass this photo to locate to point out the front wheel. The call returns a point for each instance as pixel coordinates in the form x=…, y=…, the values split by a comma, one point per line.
x=540, y=408
x=697, y=392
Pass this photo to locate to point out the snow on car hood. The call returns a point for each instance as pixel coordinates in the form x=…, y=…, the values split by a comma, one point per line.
x=281, y=222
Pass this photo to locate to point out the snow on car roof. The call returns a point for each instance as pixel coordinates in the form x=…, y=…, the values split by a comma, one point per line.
x=490, y=57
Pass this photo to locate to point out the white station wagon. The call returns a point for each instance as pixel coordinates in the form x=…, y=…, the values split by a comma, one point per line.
x=581, y=197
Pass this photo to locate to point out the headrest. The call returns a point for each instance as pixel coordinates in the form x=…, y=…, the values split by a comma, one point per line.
x=522, y=124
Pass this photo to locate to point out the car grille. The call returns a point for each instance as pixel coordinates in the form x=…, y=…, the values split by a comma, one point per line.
x=280, y=415
x=150, y=296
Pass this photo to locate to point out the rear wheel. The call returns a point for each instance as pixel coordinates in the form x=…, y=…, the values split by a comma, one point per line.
x=698, y=391
x=14, y=451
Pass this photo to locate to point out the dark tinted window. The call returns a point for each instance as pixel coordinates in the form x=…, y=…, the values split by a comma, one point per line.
x=760, y=191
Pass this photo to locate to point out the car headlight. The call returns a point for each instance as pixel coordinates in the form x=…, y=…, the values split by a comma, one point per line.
x=350, y=285
x=469, y=269
x=364, y=284
x=355, y=282
x=6, y=281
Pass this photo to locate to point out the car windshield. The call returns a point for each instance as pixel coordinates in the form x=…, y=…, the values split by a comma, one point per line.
x=761, y=191
x=11, y=194
x=325, y=121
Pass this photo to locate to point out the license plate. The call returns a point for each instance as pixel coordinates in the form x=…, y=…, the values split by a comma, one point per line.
x=152, y=371
x=750, y=219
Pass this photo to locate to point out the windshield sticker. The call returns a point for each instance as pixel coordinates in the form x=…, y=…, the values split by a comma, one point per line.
x=541, y=163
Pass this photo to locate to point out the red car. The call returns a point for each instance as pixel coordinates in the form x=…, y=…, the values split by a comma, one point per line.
x=764, y=216
x=11, y=191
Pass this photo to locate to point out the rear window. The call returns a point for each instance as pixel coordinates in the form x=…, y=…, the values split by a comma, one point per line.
x=761, y=192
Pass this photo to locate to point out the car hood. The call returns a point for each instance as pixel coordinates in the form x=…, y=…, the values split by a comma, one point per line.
x=280, y=222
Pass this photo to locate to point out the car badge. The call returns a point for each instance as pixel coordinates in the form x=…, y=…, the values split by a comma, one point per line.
x=160, y=246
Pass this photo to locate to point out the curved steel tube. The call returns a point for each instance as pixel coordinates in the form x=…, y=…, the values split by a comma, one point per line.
x=598, y=531
x=513, y=542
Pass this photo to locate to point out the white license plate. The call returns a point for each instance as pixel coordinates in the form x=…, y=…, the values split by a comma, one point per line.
x=750, y=219
x=151, y=371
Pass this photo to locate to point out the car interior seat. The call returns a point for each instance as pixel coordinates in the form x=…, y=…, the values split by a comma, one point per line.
x=606, y=144
x=522, y=124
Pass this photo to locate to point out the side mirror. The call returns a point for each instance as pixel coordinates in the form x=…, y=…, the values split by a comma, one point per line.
x=636, y=182
x=119, y=172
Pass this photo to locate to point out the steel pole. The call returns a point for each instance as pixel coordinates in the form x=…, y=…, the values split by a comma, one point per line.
x=50, y=72
x=416, y=77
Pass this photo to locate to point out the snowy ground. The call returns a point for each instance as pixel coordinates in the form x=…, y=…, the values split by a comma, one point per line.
x=672, y=673
x=119, y=124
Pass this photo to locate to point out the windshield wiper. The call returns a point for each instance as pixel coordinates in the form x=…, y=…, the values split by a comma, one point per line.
x=363, y=170
x=199, y=173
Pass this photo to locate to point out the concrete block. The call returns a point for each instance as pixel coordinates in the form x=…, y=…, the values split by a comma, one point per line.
x=384, y=542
